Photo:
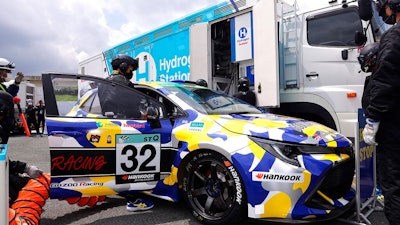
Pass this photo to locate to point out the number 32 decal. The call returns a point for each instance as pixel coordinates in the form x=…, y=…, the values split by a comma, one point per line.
x=137, y=153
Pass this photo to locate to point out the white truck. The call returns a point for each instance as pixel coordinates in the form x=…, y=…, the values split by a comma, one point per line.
x=301, y=56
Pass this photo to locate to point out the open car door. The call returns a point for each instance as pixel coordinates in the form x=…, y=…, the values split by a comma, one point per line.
x=101, y=141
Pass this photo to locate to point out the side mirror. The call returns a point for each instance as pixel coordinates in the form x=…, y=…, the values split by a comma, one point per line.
x=152, y=113
x=360, y=38
x=153, y=117
x=109, y=115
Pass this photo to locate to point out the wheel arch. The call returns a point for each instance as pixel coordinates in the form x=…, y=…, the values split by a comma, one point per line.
x=190, y=156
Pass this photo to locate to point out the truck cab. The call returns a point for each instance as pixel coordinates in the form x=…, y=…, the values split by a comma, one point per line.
x=301, y=57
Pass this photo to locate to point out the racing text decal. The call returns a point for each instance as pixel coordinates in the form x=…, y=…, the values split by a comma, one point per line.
x=82, y=162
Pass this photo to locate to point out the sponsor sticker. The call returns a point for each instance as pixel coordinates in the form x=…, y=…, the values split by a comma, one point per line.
x=238, y=185
x=95, y=138
x=135, y=178
x=278, y=177
x=135, y=125
x=196, y=126
x=75, y=184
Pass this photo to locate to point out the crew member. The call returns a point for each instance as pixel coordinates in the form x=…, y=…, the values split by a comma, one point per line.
x=117, y=102
x=5, y=69
x=383, y=110
x=244, y=93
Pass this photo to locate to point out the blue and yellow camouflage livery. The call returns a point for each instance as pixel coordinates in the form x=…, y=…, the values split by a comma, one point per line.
x=291, y=169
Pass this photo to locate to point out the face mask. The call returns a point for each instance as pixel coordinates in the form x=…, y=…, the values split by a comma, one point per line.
x=389, y=19
x=5, y=77
x=129, y=75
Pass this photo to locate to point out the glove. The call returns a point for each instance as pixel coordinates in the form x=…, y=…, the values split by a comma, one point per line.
x=370, y=130
x=33, y=171
x=19, y=78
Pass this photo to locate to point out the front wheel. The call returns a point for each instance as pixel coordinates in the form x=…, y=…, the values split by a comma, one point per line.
x=214, y=190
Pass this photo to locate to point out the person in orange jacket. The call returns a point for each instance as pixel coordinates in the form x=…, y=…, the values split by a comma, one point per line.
x=28, y=192
x=28, y=185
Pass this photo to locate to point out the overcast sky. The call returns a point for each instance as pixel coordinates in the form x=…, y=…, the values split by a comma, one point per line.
x=54, y=35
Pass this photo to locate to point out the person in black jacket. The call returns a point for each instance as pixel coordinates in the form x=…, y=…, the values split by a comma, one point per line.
x=40, y=116
x=30, y=112
x=17, y=181
x=6, y=115
x=117, y=101
x=367, y=59
x=383, y=111
x=244, y=93
x=123, y=67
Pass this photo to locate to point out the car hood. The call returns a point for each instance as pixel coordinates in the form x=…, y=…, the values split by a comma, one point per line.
x=282, y=128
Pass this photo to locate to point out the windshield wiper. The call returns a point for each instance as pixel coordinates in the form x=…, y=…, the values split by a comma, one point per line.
x=242, y=112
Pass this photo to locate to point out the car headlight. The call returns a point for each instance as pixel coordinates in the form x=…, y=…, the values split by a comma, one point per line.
x=288, y=152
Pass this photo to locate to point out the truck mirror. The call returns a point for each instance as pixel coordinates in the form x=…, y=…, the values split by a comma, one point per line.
x=360, y=38
x=365, y=9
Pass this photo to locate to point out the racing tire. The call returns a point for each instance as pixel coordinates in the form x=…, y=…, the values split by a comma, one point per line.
x=213, y=189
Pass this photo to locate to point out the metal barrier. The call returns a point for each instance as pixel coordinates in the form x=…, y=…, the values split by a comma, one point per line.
x=365, y=178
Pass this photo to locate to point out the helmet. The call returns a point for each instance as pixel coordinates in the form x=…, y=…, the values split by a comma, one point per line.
x=243, y=84
x=201, y=82
x=6, y=64
x=122, y=62
x=368, y=56
x=394, y=5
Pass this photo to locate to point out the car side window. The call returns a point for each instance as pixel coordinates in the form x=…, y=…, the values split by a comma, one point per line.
x=124, y=102
x=335, y=28
x=97, y=98
x=168, y=108
x=92, y=105
x=118, y=102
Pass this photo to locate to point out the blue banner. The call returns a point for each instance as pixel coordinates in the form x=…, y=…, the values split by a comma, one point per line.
x=367, y=182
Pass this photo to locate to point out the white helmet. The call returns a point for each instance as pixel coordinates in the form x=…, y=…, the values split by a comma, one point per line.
x=6, y=65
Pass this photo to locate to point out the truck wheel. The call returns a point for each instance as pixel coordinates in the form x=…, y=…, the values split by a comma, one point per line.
x=213, y=189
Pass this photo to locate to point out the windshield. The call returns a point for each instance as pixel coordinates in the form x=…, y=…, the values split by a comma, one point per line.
x=211, y=102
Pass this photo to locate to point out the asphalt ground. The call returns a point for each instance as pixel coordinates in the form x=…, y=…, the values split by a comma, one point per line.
x=34, y=150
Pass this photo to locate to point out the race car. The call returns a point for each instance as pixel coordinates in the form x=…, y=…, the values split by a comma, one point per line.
x=226, y=159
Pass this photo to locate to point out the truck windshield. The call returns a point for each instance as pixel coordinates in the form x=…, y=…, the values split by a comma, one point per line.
x=379, y=27
x=211, y=102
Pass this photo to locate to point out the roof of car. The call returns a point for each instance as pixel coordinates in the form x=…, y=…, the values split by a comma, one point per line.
x=159, y=84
